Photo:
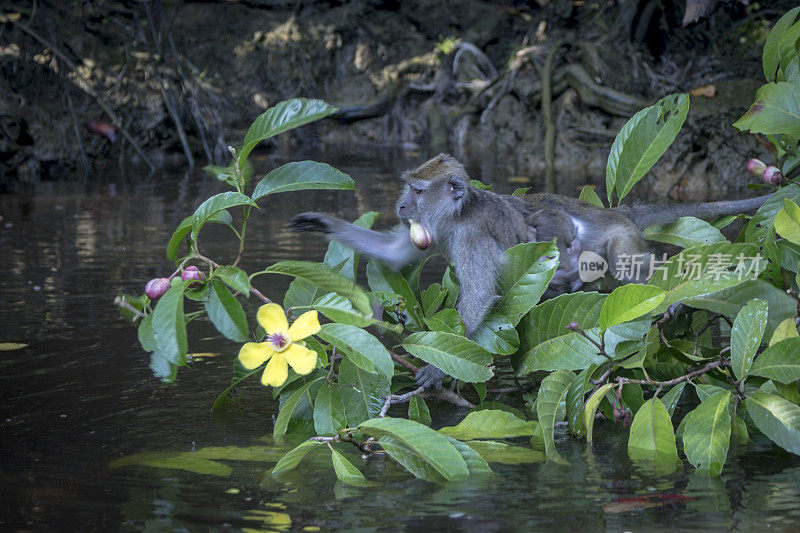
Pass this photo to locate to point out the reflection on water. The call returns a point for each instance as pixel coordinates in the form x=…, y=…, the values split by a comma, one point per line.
x=81, y=394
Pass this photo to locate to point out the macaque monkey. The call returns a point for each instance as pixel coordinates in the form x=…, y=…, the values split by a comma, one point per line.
x=473, y=228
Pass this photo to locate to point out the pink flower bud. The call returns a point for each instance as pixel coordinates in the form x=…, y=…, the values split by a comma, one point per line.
x=419, y=235
x=156, y=288
x=756, y=167
x=573, y=326
x=772, y=176
x=192, y=273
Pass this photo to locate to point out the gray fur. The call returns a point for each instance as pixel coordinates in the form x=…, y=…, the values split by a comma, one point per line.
x=474, y=227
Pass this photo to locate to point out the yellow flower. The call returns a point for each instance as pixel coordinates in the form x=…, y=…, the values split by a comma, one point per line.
x=281, y=347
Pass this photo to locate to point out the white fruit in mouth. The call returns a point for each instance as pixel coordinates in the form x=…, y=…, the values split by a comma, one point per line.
x=419, y=235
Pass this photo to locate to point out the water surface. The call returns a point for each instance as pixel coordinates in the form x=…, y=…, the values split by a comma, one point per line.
x=81, y=394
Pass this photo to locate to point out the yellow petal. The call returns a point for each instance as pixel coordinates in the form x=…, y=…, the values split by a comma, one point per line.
x=307, y=324
x=301, y=358
x=253, y=354
x=272, y=318
x=276, y=372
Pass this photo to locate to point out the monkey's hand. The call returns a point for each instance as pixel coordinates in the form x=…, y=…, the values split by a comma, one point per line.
x=430, y=377
x=311, y=222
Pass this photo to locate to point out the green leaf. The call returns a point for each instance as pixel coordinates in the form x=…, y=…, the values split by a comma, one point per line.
x=643, y=139
x=214, y=205
x=431, y=298
x=283, y=116
x=550, y=318
x=290, y=405
x=339, y=309
x=527, y=271
x=362, y=348
x=707, y=434
x=145, y=334
x=431, y=446
x=628, y=302
x=780, y=42
x=226, y=313
x=450, y=284
x=672, y=398
x=325, y=278
x=173, y=461
x=731, y=301
x=457, y=356
x=418, y=411
x=301, y=176
x=329, y=416
x=500, y=452
x=574, y=401
x=765, y=215
x=776, y=111
x=449, y=321
x=302, y=293
x=785, y=330
x=776, y=418
x=591, y=408
x=292, y=459
x=410, y=460
x=705, y=391
x=552, y=392
x=347, y=472
x=746, y=334
x=779, y=362
x=496, y=333
x=362, y=392
x=235, y=278
x=685, y=232
x=169, y=324
x=703, y=270
x=163, y=368
x=399, y=285
x=490, y=424
x=589, y=196
x=183, y=229
x=475, y=463
x=652, y=436
x=520, y=191
x=787, y=221
x=224, y=395
x=573, y=351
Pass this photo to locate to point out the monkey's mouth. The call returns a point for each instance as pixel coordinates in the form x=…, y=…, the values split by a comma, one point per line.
x=406, y=222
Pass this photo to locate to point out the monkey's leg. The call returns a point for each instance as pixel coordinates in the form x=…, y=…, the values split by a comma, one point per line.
x=476, y=267
x=394, y=248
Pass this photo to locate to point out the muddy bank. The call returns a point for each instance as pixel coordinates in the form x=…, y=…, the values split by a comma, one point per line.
x=86, y=85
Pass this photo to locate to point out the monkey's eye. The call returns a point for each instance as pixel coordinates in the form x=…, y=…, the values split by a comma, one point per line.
x=416, y=190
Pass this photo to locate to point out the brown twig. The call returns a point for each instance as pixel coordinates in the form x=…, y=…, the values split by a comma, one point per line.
x=402, y=361
x=446, y=395
x=709, y=367
x=506, y=390
x=392, y=399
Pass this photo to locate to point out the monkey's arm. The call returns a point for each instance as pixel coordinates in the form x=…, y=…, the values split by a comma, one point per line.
x=393, y=248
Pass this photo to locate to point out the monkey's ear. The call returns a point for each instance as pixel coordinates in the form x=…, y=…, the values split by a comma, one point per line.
x=458, y=186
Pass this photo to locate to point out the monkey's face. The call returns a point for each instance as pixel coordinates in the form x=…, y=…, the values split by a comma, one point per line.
x=431, y=202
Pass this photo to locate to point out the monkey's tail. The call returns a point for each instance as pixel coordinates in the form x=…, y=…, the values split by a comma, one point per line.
x=649, y=215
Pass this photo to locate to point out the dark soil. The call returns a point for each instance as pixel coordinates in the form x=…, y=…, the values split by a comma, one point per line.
x=188, y=77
